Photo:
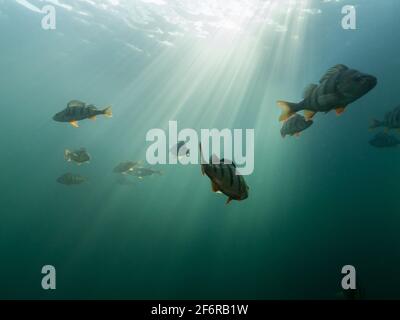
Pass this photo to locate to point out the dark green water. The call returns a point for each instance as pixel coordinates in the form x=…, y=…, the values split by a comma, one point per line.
x=317, y=203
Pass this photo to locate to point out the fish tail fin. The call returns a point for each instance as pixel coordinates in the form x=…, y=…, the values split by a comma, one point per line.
x=67, y=155
x=108, y=112
x=288, y=109
x=375, y=124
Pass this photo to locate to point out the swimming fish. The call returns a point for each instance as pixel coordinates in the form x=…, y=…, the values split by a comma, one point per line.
x=338, y=88
x=78, y=110
x=390, y=121
x=141, y=172
x=125, y=167
x=384, y=140
x=294, y=125
x=224, y=179
x=70, y=179
x=180, y=150
x=79, y=156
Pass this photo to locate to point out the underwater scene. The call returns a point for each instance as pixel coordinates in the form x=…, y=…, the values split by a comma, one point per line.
x=108, y=181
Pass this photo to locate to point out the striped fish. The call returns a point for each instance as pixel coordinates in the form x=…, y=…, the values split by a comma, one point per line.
x=339, y=87
x=79, y=156
x=224, y=179
x=294, y=125
x=78, y=110
x=70, y=179
x=125, y=167
x=390, y=121
x=384, y=140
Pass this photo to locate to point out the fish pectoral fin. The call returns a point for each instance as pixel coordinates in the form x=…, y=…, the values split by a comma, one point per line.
x=92, y=118
x=297, y=134
x=74, y=124
x=308, y=114
x=214, y=186
x=340, y=110
x=229, y=200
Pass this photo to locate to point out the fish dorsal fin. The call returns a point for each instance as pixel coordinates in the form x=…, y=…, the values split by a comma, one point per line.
x=214, y=159
x=223, y=161
x=309, y=90
x=75, y=104
x=332, y=71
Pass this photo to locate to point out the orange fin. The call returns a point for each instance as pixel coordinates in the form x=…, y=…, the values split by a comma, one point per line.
x=74, y=124
x=287, y=111
x=340, y=110
x=297, y=134
x=229, y=200
x=93, y=118
x=308, y=114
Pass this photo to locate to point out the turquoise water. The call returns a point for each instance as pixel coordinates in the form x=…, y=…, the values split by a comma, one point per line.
x=316, y=203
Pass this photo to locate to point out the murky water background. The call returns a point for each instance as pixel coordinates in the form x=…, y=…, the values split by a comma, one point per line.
x=316, y=203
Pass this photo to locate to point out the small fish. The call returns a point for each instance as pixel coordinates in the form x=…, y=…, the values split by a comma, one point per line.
x=141, y=172
x=338, y=88
x=294, y=125
x=384, y=140
x=80, y=156
x=180, y=150
x=125, y=167
x=70, y=179
x=78, y=110
x=390, y=121
x=224, y=178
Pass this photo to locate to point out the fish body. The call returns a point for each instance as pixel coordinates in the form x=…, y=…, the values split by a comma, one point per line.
x=390, y=121
x=80, y=156
x=141, y=172
x=294, y=125
x=338, y=88
x=126, y=167
x=224, y=178
x=78, y=110
x=70, y=179
x=384, y=140
x=180, y=150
